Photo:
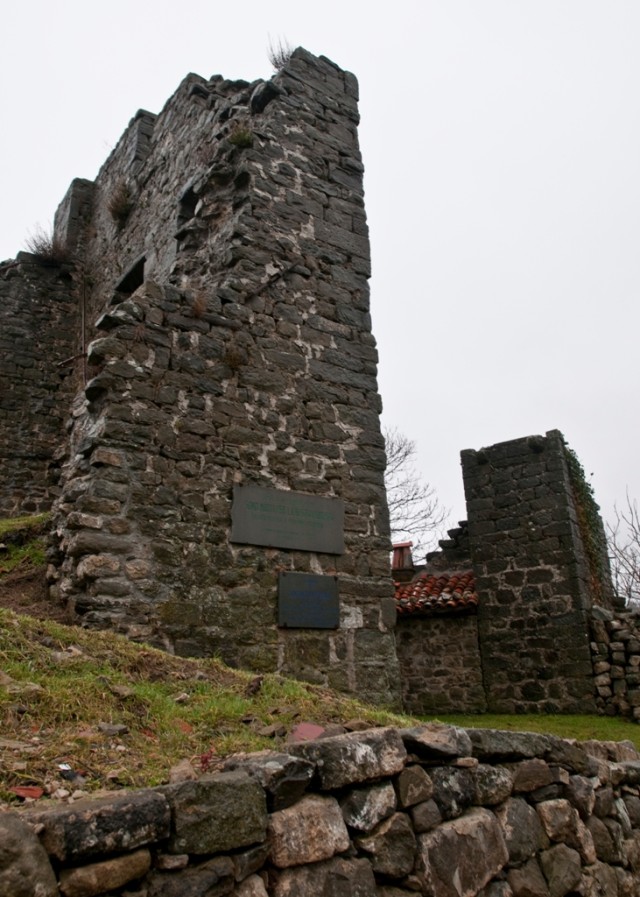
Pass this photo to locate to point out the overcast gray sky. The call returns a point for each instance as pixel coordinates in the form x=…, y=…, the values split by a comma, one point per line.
x=501, y=141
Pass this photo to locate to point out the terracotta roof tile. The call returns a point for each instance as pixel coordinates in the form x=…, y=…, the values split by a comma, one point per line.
x=429, y=593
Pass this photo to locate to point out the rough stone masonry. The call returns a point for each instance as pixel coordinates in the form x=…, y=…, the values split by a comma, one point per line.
x=217, y=274
x=432, y=810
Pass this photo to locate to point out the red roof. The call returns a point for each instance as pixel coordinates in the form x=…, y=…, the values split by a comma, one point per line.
x=430, y=593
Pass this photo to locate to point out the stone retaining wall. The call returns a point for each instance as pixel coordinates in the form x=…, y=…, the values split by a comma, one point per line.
x=616, y=661
x=434, y=810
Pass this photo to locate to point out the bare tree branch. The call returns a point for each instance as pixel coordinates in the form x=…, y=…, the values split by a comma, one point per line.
x=415, y=511
x=624, y=552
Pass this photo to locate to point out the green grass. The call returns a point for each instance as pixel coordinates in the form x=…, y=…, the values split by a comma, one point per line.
x=59, y=686
x=582, y=728
x=22, y=542
x=27, y=525
x=30, y=555
x=62, y=683
x=241, y=136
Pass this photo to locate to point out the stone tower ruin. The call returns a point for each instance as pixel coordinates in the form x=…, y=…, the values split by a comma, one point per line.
x=193, y=381
x=539, y=555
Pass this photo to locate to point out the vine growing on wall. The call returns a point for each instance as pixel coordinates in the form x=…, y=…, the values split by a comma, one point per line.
x=590, y=524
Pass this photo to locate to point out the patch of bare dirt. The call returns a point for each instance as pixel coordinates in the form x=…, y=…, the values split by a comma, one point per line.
x=24, y=591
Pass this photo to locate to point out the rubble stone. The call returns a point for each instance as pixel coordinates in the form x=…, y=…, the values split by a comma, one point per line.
x=337, y=877
x=354, y=757
x=562, y=869
x=215, y=813
x=391, y=846
x=364, y=808
x=461, y=856
x=25, y=870
x=308, y=832
x=90, y=827
x=96, y=878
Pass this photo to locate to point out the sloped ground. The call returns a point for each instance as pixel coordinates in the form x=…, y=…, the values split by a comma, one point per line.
x=83, y=711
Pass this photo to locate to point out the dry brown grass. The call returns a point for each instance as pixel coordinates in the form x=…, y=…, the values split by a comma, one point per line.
x=49, y=250
x=120, y=203
x=279, y=53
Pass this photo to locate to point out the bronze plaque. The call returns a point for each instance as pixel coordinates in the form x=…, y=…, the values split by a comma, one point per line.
x=278, y=518
x=308, y=601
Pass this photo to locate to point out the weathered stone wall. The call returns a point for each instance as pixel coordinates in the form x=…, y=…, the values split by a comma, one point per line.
x=533, y=577
x=436, y=811
x=616, y=661
x=39, y=332
x=225, y=256
x=439, y=657
x=219, y=277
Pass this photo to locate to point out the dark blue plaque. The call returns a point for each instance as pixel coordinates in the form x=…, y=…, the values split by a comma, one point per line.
x=280, y=518
x=308, y=601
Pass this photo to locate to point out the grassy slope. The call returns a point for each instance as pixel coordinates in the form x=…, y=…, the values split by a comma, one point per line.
x=60, y=686
x=583, y=728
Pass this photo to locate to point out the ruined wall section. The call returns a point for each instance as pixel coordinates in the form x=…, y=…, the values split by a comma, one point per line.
x=532, y=576
x=439, y=656
x=616, y=661
x=143, y=193
x=39, y=342
x=244, y=356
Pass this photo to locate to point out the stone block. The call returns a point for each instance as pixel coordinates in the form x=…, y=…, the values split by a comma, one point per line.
x=391, y=847
x=453, y=790
x=521, y=829
x=600, y=879
x=413, y=786
x=571, y=756
x=364, y=808
x=632, y=803
x=493, y=745
x=529, y=775
x=96, y=878
x=356, y=757
x=528, y=880
x=493, y=784
x=562, y=823
x=88, y=828
x=436, y=742
x=216, y=813
x=213, y=878
x=25, y=869
x=630, y=771
x=461, y=856
x=581, y=793
x=284, y=777
x=497, y=888
x=425, y=816
x=94, y=566
x=562, y=869
x=248, y=861
x=337, y=877
x=310, y=831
